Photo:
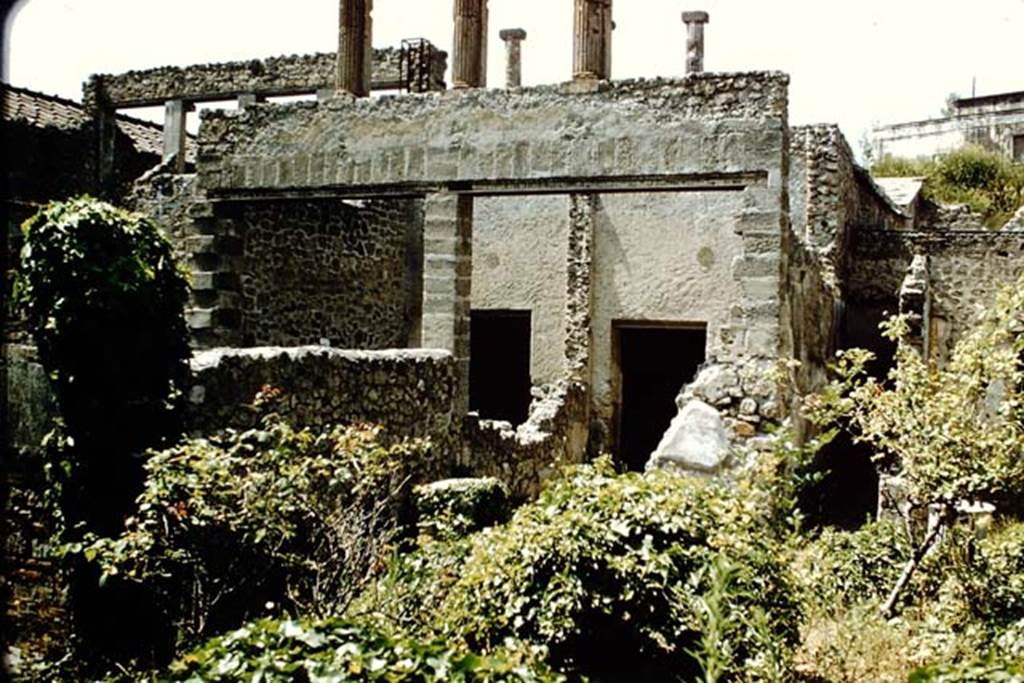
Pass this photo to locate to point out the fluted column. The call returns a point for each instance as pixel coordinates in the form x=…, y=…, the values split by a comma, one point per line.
x=355, y=47
x=468, y=61
x=592, y=38
x=695, y=41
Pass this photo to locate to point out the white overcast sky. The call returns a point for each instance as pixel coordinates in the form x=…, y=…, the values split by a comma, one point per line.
x=852, y=62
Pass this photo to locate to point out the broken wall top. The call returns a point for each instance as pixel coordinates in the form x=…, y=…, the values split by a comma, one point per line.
x=275, y=76
x=731, y=124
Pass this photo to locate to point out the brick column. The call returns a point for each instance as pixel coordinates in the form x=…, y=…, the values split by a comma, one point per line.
x=592, y=39
x=175, y=133
x=469, y=45
x=513, y=38
x=447, y=274
x=695, y=41
x=355, y=47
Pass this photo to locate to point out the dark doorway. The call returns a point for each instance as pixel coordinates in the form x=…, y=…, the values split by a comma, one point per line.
x=499, y=365
x=654, y=364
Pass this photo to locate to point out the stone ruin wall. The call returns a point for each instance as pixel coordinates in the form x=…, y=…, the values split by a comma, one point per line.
x=409, y=392
x=328, y=272
x=709, y=128
x=275, y=76
x=833, y=201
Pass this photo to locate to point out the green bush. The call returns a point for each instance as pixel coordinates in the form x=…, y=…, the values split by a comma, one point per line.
x=988, y=580
x=985, y=181
x=841, y=568
x=898, y=167
x=457, y=507
x=295, y=518
x=648, y=575
x=338, y=650
x=991, y=669
x=105, y=304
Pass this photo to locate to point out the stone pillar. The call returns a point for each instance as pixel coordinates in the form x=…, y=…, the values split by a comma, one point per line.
x=513, y=38
x=695, y=40
x=579, y=300
x=447, y=274
x=592, y=39
x=915, y=302
x=355, y=47
x=469, y=61
x=175, y=133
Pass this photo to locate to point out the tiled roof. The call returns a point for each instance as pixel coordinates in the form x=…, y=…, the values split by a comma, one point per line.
x=50, y=111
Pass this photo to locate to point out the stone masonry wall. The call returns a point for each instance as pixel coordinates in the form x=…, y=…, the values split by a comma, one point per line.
x=327, y=270
x=703, y=124
x=410, y=393
x=290, y=75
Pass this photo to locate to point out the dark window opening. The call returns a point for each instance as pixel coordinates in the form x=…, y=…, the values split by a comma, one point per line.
x=655, y=362
x=499, y=365
x=1018, y=147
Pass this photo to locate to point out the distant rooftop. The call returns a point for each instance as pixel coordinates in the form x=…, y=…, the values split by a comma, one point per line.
x=49, y=111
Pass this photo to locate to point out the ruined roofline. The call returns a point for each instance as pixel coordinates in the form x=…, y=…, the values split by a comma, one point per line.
x=830, y=133
x=52, y=111
x=271, y=77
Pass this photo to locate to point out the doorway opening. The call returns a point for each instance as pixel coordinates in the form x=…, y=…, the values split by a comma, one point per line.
x=655, y=361
x=499, y=365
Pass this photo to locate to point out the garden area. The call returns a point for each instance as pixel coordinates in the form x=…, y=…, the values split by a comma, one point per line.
x=291, y=552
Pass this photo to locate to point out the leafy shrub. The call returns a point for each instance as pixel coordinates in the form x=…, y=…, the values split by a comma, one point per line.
x=337, y=650
x=457, y=507
x=105, y=304
x=988, y=581
x=985, y=181
x=622, y=574
x=841, y=568
x=890, y=166
x=292, y=517
x=991, y=669
x=952, y=433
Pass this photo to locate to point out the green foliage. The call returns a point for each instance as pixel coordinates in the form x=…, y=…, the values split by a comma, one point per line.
x=898, y=167
x=840, y=568
x=105, y=304
x=985, y=181
x=953, y=433
x=988, y=583
x=991, y=669
x=338, y=650
x=295, y=518
x=409, y=594
x=458, y=507
x=615, y=574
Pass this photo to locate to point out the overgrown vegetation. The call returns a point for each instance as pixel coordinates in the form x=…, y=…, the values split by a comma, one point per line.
x=277, y=519
x=985, y=181
x=105, y=304
x=951, y=434
x=651, y=576
x=339, y=650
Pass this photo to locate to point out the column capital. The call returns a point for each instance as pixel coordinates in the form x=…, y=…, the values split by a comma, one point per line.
x=696, y=17
x=508, y=34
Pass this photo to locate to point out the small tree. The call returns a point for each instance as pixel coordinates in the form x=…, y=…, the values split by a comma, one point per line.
x=952, y=434
x=105, y=304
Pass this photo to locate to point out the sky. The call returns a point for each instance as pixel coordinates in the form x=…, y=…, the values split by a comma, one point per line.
x=852, y=62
